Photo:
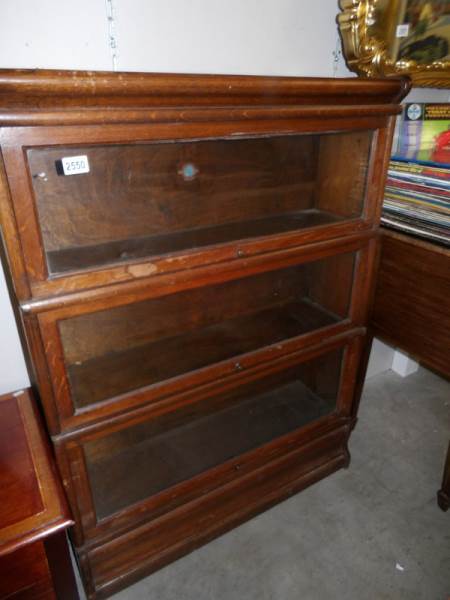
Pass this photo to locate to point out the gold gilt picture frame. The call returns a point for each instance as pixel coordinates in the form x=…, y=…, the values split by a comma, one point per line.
x=398, y=37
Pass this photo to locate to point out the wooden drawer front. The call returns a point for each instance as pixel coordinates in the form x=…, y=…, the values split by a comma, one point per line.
x=153, y=199
x=146, y=464
x=25, y=574
x=148, y=548
x=104, y=361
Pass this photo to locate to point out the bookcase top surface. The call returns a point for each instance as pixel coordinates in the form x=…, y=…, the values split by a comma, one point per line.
x=38, y=89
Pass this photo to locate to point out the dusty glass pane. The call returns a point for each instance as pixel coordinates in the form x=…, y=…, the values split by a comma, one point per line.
x=151, y=199
x=119, y=350
x=132, y=464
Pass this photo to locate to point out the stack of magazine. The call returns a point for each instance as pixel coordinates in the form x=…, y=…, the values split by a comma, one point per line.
x=417, y=195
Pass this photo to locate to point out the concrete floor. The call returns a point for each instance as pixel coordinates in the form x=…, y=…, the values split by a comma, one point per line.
x=372, y=532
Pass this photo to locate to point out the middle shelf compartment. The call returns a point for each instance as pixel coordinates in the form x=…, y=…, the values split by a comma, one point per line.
x=106, y=360
x=115, y=351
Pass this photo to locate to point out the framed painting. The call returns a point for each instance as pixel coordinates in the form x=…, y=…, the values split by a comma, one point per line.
x=398, y=37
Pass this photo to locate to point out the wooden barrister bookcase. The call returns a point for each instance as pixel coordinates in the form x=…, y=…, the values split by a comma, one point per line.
x=192, y=259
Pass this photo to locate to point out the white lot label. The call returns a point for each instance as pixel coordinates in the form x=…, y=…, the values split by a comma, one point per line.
x=74, y=165
x=402, y=30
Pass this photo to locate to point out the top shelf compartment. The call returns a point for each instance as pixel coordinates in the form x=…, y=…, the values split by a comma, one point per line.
x=151, y=199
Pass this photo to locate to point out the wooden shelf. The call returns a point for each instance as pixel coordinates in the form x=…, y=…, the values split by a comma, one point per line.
x=120, y=372
x=158, y=462
x=85, y=257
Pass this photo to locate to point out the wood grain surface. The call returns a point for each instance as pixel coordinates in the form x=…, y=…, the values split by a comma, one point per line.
x=195, y=305
x=412, y=301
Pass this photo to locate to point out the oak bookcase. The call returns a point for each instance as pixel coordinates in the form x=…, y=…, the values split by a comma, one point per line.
x=192, y=260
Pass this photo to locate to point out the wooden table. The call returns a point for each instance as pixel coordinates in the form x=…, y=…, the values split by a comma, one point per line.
x=34, y=555
x=412, y=299
x=412, y=308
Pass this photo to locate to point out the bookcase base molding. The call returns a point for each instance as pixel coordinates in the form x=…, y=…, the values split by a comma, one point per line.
x=192, y=261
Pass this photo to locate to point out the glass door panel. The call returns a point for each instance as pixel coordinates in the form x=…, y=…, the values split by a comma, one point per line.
x=119, y=350
x=137, y=462
x=132, y=201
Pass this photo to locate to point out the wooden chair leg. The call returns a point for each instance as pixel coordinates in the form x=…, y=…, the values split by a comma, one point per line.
x=443, y=495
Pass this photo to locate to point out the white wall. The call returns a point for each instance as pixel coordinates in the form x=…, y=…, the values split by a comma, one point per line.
x=282, y=37
x=262, y=37
x=13, y=373
x=267, y=37
x=54, y=34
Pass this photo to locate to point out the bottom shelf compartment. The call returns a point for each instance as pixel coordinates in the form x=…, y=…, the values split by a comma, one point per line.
x=140, y=461
x=116, y=564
